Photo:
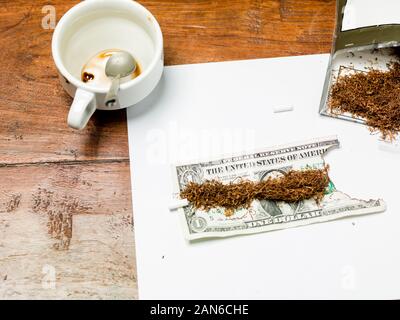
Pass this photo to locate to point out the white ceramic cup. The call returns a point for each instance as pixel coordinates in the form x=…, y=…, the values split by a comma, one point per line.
x=96, y=25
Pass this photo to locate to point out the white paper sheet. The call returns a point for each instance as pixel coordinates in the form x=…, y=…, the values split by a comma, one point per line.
x=366, y=13
x=208, y=109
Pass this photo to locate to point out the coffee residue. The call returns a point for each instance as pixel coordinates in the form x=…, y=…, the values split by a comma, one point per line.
x=373, y=96
x=294, y=186
x=86, y=76
x=137, y=71
x=93, y=71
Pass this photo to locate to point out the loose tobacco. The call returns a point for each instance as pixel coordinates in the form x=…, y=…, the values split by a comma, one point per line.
x=294, y=186
x=373, y=96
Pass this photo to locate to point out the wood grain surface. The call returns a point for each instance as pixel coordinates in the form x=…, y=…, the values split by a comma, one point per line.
x=66, y=221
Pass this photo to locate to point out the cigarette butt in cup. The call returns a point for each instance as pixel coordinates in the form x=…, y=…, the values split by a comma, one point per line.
x=178, y=204
x=283, y=109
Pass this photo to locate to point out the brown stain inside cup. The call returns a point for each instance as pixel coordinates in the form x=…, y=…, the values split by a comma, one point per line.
x=86, y=76
x=106, y=54
x=137, y=71
x=94, y=70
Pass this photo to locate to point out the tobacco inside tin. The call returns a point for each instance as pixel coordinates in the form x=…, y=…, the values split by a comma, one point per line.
x=361, y=58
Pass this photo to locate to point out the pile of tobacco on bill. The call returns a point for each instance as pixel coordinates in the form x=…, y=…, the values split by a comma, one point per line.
x=294, y=186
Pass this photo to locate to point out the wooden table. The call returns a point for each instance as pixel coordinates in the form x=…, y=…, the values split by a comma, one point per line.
x=66, y=223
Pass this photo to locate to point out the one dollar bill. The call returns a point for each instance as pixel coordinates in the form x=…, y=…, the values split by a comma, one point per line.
x=266, y=215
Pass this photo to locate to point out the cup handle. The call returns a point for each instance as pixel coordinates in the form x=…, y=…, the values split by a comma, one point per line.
x=82, y=108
